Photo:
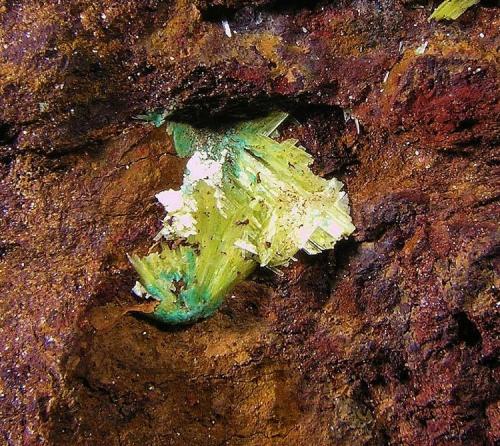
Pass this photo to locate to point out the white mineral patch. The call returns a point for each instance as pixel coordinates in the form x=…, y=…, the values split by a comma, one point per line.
x=219, y=200
x=139, y=290
x=227, y=29
x=179, y=221
x=246, y=246
x=180, y=205
x=171, y=200
x=179, y=225
x=334, y=229
x=184, y=225
x=200, y=167
x=304, y=233
x=421, y=49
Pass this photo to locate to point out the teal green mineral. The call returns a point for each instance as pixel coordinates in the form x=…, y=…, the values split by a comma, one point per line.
x=246, y=200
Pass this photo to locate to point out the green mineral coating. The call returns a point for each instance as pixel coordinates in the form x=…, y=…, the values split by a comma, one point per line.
x=452, y=9
x=155, y=118
x=258, y=203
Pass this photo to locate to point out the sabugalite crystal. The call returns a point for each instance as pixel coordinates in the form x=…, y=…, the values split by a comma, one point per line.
x=452, y=9
x=246, y=200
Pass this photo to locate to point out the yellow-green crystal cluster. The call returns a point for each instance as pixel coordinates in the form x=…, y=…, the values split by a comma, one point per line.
x=246, y=200
x=452, y=9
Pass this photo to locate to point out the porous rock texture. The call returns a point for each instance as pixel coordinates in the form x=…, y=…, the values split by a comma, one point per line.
x=392, y=338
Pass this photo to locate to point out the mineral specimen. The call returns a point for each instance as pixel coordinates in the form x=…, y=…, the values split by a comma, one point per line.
x=246, y=200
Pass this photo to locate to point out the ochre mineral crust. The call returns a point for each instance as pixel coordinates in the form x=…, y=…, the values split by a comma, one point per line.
x=391, y=338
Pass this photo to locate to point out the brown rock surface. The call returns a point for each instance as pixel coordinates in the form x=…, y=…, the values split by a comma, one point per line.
x=393, y=338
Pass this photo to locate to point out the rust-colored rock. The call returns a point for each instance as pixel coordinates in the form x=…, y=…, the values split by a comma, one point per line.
x=391, y=339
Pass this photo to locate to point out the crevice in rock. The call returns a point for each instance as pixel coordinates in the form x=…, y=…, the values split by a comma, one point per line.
x=216, y=11
x=8, y=135
x=467, y=330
